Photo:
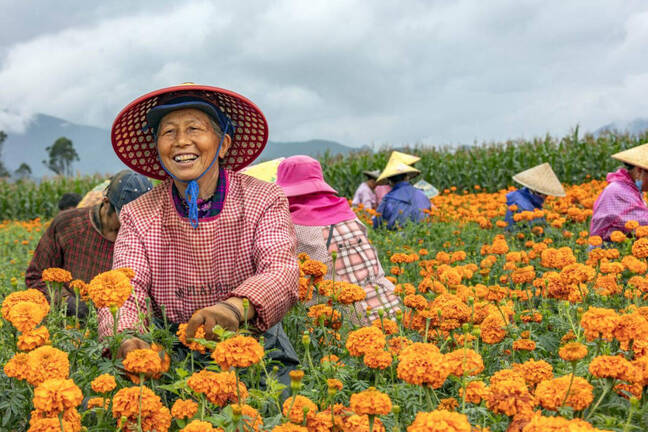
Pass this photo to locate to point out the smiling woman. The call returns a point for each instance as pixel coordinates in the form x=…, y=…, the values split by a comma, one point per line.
x=205, y=225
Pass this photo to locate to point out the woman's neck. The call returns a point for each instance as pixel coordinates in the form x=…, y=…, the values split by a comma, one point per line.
x=206, y=184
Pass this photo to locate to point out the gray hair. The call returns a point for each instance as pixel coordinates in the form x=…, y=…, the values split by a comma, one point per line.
x=215, y=127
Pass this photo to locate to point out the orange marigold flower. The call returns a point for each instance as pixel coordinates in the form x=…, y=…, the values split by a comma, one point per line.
x=493, y=329
x=415, y=301
x=47, y=362
x=128, y=272
x=333, y=383
x=110, y=289
x=641, y=231
x=630, y=327
x=370, y=402
x=534, y=371
x=618, y=237
x=33, y=339
x=289, y=427
x=397, y=344
x=360, y=423
x=631, y=225
x=508, y=394
x=238, y=351
x=313, y=268
x=56, y=395
x=200, y=426
x=194, y=346
x=80, y=287
x=465, y=362
x=616, y=367
x=220, y=388
x=440, y=420
x=422, y=363
x=378, y=359
x=98, y=402
x=572, y=351
x=52, y=424
x=325, y=315
x=55, y=274
x=475, y=392
x=305, y=289
x=551, y=393
x=302, y=408
x=19, y=367
x=388, y=326
x=539, y=423
x=142, y=361
x=183, y=409
x=350, y=293
x=599, y=322
x=103, y=383
x=28, y=295
x=127, y=403
x=524, y=345
x=25, y=316
x=365, y=339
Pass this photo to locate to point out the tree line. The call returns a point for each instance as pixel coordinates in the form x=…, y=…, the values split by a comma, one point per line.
x=60, y=157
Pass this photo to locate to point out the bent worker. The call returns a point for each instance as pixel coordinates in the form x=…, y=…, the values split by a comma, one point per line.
x=622, y=199
x=404, y=203
x=69, y=200
x=365, y=194
x=538, y=183
x=206, y=238
x=81, y=240
x=325, y=224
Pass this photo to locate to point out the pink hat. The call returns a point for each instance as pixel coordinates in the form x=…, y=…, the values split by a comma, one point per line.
x=301, y=175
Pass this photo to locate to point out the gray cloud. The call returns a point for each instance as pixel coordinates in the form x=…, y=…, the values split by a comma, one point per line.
x=356, y=71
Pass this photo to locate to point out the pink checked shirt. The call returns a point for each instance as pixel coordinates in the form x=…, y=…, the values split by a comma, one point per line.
x=357, y=262
x=619, y=203
x=247, y=250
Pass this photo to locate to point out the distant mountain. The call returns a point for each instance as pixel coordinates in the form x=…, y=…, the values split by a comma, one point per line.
x=96, y=154
x=634, y=127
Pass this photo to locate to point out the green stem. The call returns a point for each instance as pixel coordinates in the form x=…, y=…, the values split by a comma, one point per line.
x=139, y=414
x=571, y=381
x=60, y=417
x=605, y=391
x=238, y=391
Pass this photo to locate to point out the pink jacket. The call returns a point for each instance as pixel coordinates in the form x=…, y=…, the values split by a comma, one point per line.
x=247, y=250
x=619, y=203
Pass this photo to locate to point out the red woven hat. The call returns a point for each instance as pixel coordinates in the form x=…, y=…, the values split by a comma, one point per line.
x=134, y=142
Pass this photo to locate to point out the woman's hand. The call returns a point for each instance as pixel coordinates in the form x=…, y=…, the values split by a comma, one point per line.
x=131, y=344
x=227, y=314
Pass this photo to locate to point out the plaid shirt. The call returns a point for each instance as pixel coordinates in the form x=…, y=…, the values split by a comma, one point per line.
x=357, y=262
x=248, y=250
x=70, y=242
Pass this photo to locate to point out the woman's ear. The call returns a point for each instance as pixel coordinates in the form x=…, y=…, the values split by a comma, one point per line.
x=227, y=142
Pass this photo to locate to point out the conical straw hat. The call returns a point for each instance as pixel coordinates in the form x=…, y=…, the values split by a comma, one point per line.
x=541, y=179
x=395, y=168
x=266, y=171
x=405, y=158
x=637, y=156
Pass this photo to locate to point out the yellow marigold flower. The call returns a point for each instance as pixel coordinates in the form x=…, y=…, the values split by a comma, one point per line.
x=25, y=316
x=33, y=339
x=195, y=346
x=56, y=395
x=110, y=289
x=103, y=383
x=440, y=420
x=551, y=393
x=142, y=361
x=370, y=402
x=238, y=351
x=46, y=363
x=572, y=351
x=183, y=409
x=55, y=274
x=378, y=359
x=29, y=295
x=365, y=339
x=299, y=404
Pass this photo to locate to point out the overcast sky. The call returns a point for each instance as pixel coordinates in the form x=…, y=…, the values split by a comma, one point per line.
x=359, y=72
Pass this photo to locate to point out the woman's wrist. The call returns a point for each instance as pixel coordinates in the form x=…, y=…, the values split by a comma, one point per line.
x=237, y=302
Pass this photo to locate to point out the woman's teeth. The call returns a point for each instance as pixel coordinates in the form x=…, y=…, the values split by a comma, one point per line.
x=185, y=157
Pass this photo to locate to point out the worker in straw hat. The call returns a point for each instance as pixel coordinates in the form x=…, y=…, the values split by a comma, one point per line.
x=325, y=224
x=539, y=182
x=404, y=202
x=208, y=245
x=383, y=189
x=622, y=199
x=365, y=194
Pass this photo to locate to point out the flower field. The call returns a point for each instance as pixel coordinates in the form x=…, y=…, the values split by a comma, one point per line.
x=525, y=330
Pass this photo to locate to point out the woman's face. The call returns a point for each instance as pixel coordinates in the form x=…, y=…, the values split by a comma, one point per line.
x=187, y=143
